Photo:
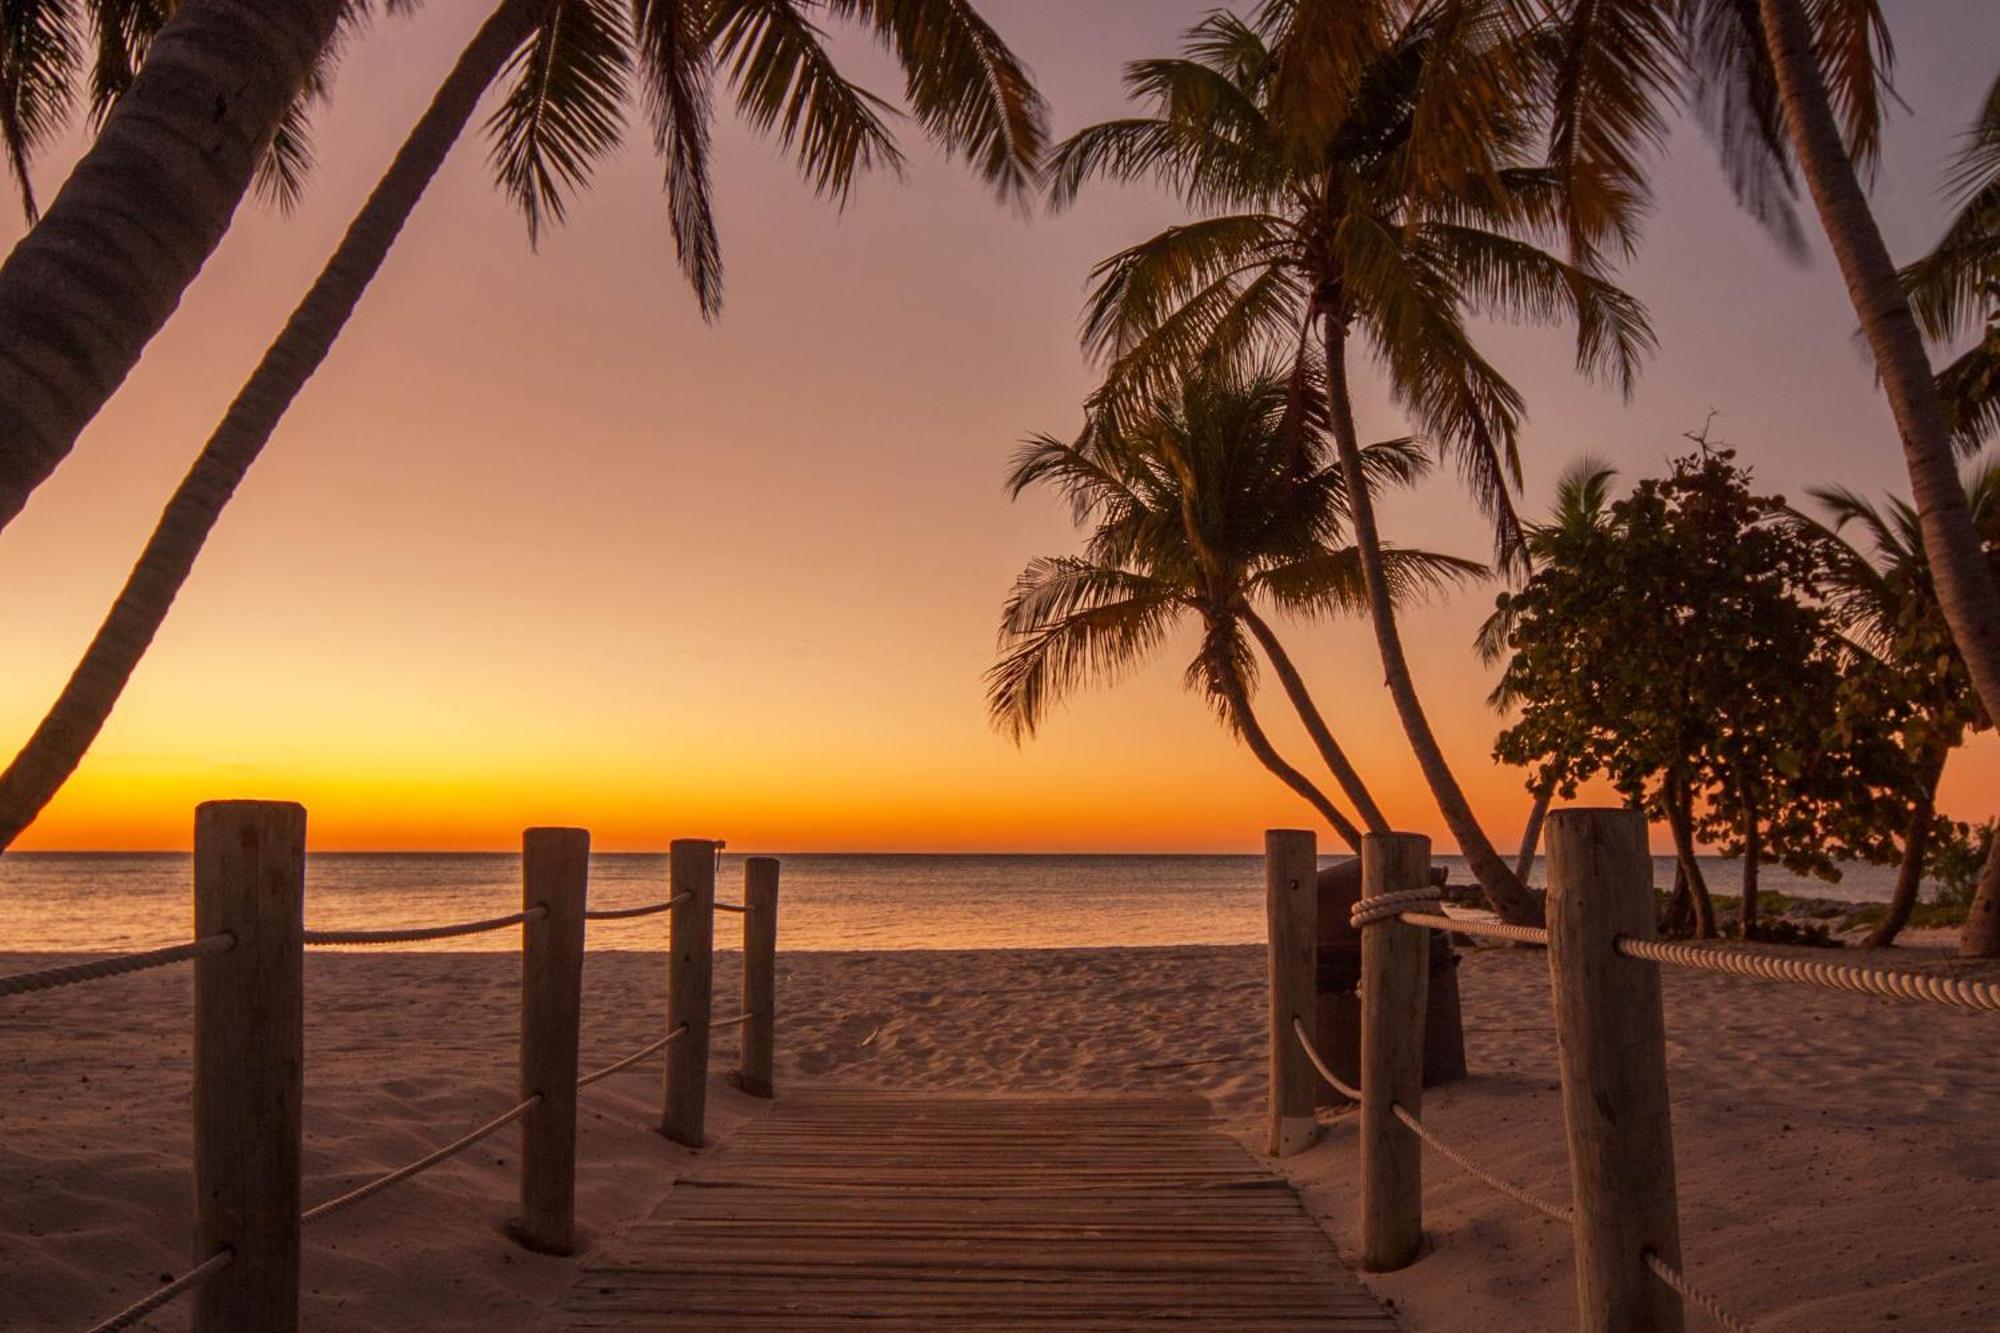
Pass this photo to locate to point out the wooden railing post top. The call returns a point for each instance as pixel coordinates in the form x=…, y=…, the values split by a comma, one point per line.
x=554, y=832
x=760, y=863
x=710, y=843
x=240, y=808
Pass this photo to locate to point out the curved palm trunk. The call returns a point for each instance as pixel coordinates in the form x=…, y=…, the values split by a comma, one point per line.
x=1909, y=874
x=78, y=714
x=1502, y=887
x=1302, y=703
x=87, y=288
x=1680, y=821
x=1531, y=834
x=1981, y=936
x=1267, y=755
x=1965, y=585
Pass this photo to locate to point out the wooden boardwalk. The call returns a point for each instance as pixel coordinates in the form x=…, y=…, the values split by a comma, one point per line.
x=898, y=1212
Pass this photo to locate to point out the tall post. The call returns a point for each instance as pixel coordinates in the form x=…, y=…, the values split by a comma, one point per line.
x=249, y=1061
x=1611, y=1045
x=1395, y=967
x=1291, y=892
x=555, y=875
x=690, y=978
x=760, y=974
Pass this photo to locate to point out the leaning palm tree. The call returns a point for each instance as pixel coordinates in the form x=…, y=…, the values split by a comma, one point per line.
x=1382, y=199
x=570, y=62
x=1582, y=505
x=1212, y=503
x=1789, y=89
x=180, y=144
x=1885, y=602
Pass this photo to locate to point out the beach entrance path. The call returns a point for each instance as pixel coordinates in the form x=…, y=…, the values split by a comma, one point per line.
x=895, y=1212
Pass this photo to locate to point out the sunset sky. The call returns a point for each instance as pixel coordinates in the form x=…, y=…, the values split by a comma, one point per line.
x=538, y=546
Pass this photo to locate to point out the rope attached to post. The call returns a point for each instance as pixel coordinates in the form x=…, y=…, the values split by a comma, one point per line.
x=419, y=933
x=422, y=1164
x=1497, y=930
x=1694, y=1295
x=1958, y=991
x=98, y=969
x=1383, y=906
x=1305, y=1042
x=737, y=908
x=181, y=1285
x=616, y=1066
x=625, y=913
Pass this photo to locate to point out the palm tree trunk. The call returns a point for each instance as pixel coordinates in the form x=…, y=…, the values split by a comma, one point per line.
x=1531, y=834
x=1502, y=887
x=87, y=288
x=1680, y=821
x=1981, y=935
x=79, y=713
x=1302, y=703
x=1267, y=754
x=1910, y=874
x=1965, y=585
x=1753, y=856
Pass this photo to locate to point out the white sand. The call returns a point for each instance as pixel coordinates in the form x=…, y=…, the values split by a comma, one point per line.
x=1838, y=1156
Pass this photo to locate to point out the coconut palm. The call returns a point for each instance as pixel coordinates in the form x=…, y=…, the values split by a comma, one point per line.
x=1583, y=501
x=570, y=63
x=1381, y=199
x=1789, y=89
x=1885, y=601
x=180, y=144
x=1955, y=289
x=1212, y=503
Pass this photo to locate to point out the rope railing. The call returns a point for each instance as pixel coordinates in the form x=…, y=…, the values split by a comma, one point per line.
x=1693, y=1295
x=627, y=913
x=733, y=1020
x=619, y=1066
x=737, y=908
x=161, y=1296
x=421, y=1165
x=1493, y=930
x=99, y=969
x=1962, y=992
x=417, y=934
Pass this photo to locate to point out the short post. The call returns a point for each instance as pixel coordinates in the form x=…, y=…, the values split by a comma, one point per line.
x=249, y=1061
x=1611, y=1045
x=690, y=979
x=760, y=975
x=1291, y=893
x=555, y=874
x=1395, y=968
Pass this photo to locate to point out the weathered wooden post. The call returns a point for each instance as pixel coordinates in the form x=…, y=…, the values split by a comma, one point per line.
x=760, y=974
x=690, y=979
x=1395, y=969
x=1611, y=1044
x=249, y=1061
x=1291, y=892
x=555, y=875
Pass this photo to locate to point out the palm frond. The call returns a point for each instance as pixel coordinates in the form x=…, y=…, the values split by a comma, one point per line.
x=125, y=30
x=1975, y=168
x=1068, y=624
x=785, y=81
x=1616, y=67
x=564, y=108
x=1856, y=56
x=965, y=86
x=1970, y=388
x=675, y=81
x=1735, y=94
x=1330, y=583
x=38, y=61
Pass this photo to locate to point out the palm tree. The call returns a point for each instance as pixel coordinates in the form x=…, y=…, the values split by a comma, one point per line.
x=1885, y=601
x=1383, y=197
x=1789, y=88
x=1583, y=502
x=1207, y=501
x=181, y=142
x=570, y=61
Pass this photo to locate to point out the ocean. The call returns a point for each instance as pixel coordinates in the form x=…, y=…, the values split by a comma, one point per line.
x=105, y=902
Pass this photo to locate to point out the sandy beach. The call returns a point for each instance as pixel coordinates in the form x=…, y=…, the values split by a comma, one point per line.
x=1837, y=1163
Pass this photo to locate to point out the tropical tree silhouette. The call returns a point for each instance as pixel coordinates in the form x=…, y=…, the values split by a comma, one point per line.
x=571, y=63
x=1212, y=503
x=1373, y=181
x=1885, y=601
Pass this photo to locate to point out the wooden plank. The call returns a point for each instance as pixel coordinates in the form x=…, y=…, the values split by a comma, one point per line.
x=848, y=1209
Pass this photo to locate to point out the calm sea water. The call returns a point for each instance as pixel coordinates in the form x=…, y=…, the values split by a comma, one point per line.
x=109, y=901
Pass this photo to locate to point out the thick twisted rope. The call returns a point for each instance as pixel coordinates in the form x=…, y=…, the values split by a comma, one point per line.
x=739, y=908
x=1305, y=1042
x=1498, y=930
x=186, y=1282
x=1694, y=1295
x=618, y=1066
x=422, y=1164
x=1833, y=976
x=1383, y=906
x=626, y=913
x=119, y=965
x=415, y=934
x=732, y=1020
x=1557, y=1211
